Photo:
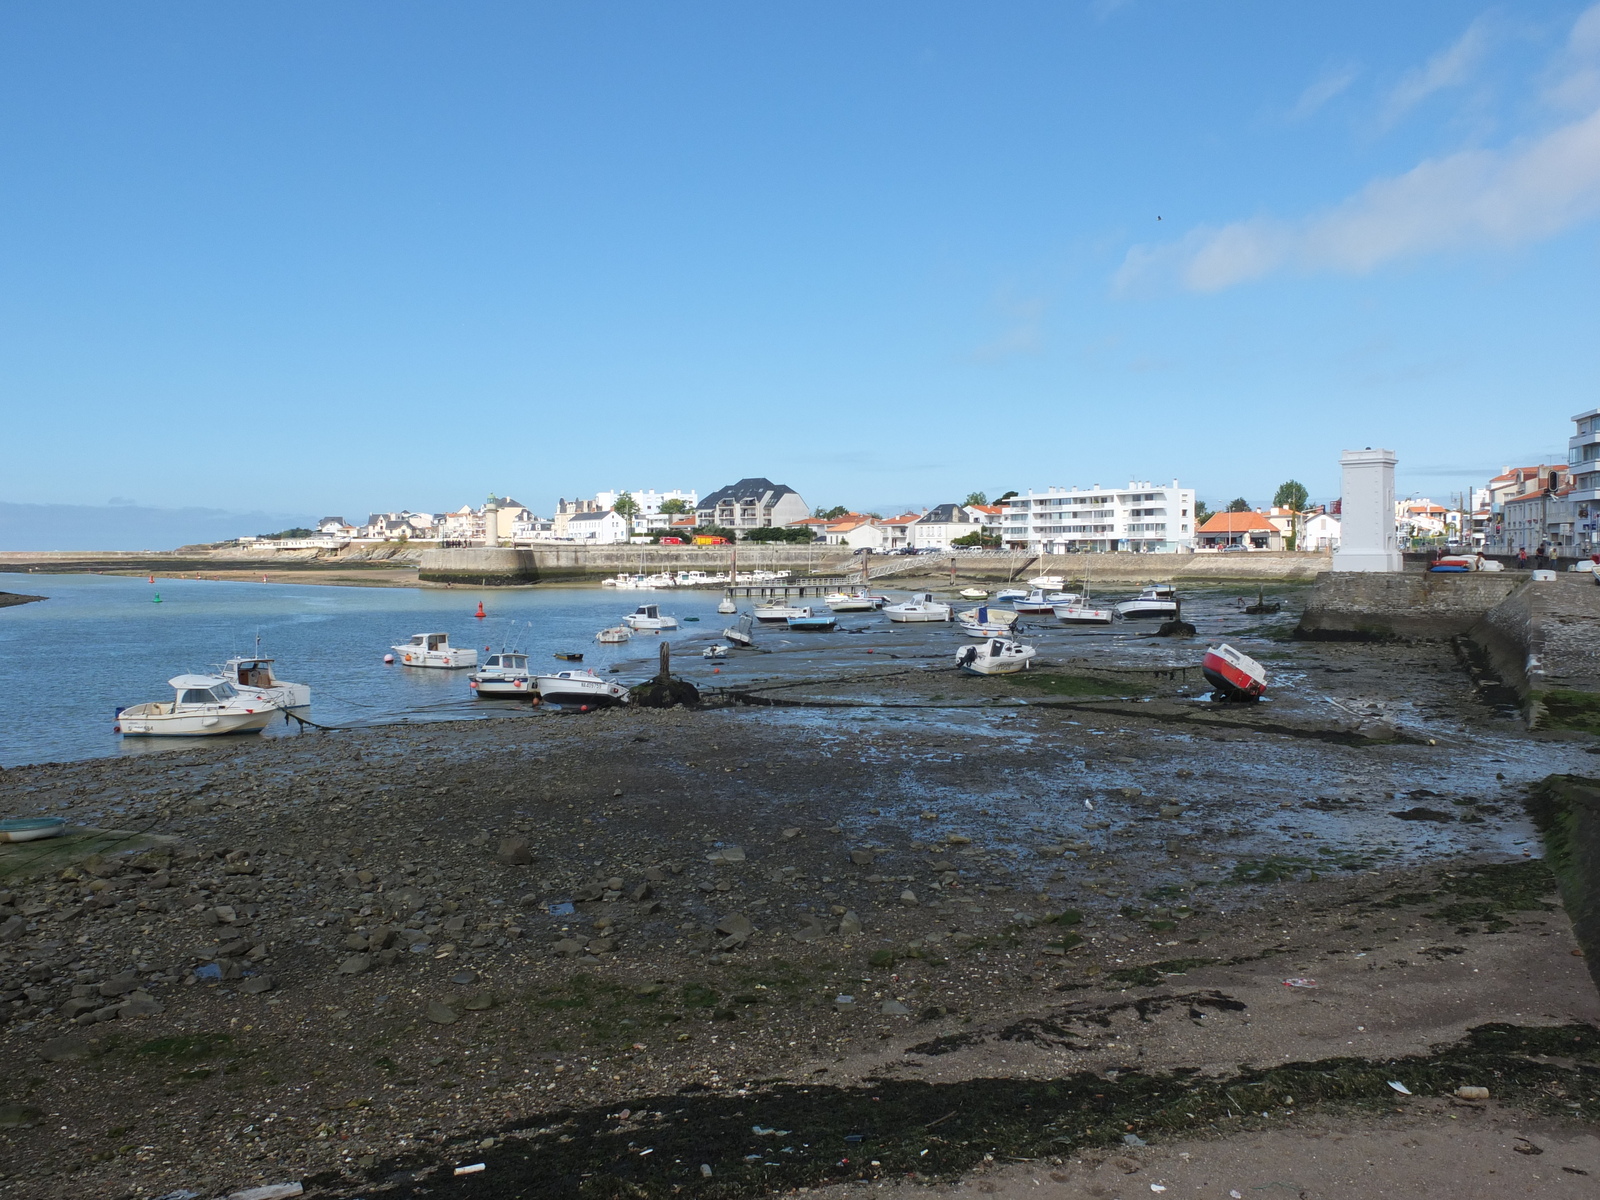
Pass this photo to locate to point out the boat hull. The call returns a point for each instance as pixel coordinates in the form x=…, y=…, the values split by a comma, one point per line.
x=854, y=604
x=1074, y=614
x=1233, y=677
x=815, y=624
x=567, y=691
x=445, y=660
x=1147, y=610
x=192, y=724
x=488, y=689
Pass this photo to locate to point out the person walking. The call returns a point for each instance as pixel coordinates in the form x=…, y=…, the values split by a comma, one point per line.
x=1522, y=558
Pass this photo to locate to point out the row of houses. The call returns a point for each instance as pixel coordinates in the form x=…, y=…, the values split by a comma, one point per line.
x=1141, y=517
x=1545, y=507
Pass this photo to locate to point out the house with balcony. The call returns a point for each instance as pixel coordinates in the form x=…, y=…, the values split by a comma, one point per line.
x=1141, y=517
x=753, y=503
x=1583, y=461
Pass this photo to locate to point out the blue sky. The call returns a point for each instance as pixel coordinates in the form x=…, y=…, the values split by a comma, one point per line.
x=330, y=257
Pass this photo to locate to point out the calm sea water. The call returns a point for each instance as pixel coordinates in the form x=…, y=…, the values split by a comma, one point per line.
x=101, y=641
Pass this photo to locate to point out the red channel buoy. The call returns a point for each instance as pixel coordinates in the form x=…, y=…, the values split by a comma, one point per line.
x=480, y=614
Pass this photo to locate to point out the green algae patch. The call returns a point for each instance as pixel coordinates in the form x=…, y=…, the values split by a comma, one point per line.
x=1565, y=708
x=701, y=1144
x=1566, y=811
x=1151, y=974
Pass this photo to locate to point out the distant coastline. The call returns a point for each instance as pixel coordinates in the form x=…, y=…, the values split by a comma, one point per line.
x=7, y=599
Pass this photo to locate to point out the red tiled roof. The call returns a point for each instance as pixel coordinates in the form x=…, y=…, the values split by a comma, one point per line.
x=1237, y=522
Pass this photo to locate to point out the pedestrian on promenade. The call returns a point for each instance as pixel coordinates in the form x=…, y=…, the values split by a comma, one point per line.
x=1522, y=558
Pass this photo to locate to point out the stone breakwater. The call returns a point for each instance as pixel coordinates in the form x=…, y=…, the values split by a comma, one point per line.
x=1540, y=638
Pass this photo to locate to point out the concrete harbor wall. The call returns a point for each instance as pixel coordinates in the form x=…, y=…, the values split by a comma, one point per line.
x=1408, y=604
x=1566, y=809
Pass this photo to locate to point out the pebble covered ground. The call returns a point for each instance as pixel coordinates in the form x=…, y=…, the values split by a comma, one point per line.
x=348, y=958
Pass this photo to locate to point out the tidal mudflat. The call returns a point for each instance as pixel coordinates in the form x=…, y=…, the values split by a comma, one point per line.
x=876, y=921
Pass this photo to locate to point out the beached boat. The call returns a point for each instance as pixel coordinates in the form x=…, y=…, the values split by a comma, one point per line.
x=1048, y=583
x=973, y=594
x=813, y=621
x=253, y=676
x=502, y=675
x=568, y=656
x=1082, y=612
x=580, y=687
x=777, y=611
x=202, y=705
x=919, y=608
x=434, y=650
x=742, y=634
x=1156, y=601
x=987, y=622
x=614, y=634
x=714, y=652
x=648, y=618
x=857, y=601
x=1232, y=675
x=997, y=656
x=1005, y=594
x=1034, y=602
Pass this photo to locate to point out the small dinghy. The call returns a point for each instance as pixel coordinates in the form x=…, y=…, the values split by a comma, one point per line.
x=777, y=611
x=1005, y=594
x=568, y=656
x=974, y=594
x=434, y=650
x=997, y=656
x=503, y=675
x=714, y=652
x=986, y=622
x=856, y=601
x=727, y=607
x=1232, y=675
x=203, y=705
x=813, y=621
x=581, y=687
x=742, y=635
x=613, y=635
x=648, y=618
x=31, y=829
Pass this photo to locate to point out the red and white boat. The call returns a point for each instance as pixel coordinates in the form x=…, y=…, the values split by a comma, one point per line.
x=1234, y=676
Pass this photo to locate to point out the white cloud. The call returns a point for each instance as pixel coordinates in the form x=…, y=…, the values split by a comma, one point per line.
x=1324, y=88
x=1451, y=67
x=1529, y=190
x=1577, y=72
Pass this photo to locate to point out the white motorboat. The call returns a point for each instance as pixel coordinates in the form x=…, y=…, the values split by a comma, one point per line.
x=1034, y=602
x=434, y=650
x=661, y=579
x=1081, y=612
x=919, y=608
x=1005, y=594
x=856, y=601
x=771, y=614
x=742, y=634
x=987, y=622
x=253, y=676
x=974, y=594
x=727, y=607
x=614, y=634
x=1157, y=601
x=503, y=675
x=647, y=618
x=1048, y=583
x=203, y=705
x=997, y=656
x=714, y=652
x=580, y=687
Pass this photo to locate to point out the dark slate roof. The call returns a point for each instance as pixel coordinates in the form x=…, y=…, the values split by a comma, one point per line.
x=594, y=516
x=947, y=514
x=745, y=489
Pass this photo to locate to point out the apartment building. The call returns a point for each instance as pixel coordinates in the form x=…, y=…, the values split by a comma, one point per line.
x=1583, y=461
x=1144, y=517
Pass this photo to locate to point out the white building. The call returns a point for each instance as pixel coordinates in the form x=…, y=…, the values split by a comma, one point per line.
x=753, y=503
x=1368, y=540
x=1153, y=518
x=940, y=525
x=1318, y=531
x=597, y=528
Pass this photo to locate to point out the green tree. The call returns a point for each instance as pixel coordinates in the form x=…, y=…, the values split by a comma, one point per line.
x=626, y=506
x=975, y=498
x=979, y=539
x=674, y=508
x=1003, y=499
x=1238, y=504
x=799, y=535
x=297, y=532
x=1291, y=495
x=831, y=514
x=1202, y=513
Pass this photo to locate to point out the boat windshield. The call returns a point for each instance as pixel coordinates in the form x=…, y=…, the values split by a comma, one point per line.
x=515, y=661
x=219, y=694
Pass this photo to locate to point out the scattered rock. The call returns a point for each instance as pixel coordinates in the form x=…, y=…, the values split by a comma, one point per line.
x=849, y=925
x=19, y=1116
x=440, y=1014
x=356, y=964
x=908, y=898
x=140, y=1004
x=257, y=984
x=893, y=1008
x=120, y=985
x=67, y=1049
x=514, y=852
x=861, y=858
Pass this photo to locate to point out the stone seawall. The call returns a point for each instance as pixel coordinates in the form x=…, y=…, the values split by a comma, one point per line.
x=1412, y=605
x=480, y=566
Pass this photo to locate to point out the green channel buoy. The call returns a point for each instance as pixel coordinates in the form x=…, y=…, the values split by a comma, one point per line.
x=158, y=598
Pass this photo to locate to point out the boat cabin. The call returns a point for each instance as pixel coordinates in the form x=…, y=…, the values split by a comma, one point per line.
x=203, y=689
x=430, y=641
x=252, y=672
x=507, y=662
x=651, y=611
